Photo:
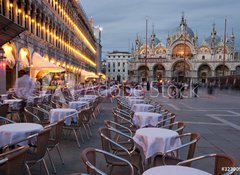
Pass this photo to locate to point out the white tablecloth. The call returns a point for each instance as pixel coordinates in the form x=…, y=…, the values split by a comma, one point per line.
x=174, y=170
x=89, y=99
x=90, y=96
x=4, y=96
x=13, y=103
x=141, y=107
x=153, y=140
x=142, y=119
x=132, y=101
x=11, y=133
x=78, y=104
x=59, y=114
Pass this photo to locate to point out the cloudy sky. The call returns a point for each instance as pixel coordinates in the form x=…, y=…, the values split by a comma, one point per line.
x=122, y=20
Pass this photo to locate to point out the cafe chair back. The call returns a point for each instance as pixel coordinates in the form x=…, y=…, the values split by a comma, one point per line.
x=224, y=164
x=12, y=162
x=90, y=157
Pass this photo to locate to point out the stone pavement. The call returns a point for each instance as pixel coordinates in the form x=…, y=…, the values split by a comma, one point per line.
x=216, y=117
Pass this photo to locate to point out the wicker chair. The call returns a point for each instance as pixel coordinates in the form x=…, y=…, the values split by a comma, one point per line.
x=221, y=160
x=117, y=148
x=4, y=110
x=37, y=152
x=12, y=162
x=90, y=158
x=36, y=115
x=54, y=141
x=171, y=157
x=176, y=126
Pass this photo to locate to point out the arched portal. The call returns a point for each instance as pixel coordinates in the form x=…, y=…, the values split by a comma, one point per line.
x=204, y=72
x=180, y=71
x=143, y=72
x=158, y=72
x=238, y=70
x=221, y=70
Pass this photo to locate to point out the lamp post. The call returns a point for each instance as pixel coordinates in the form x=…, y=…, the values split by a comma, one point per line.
x=2, y=71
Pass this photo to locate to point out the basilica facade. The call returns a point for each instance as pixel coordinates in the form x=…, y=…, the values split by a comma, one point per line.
x=183, y=58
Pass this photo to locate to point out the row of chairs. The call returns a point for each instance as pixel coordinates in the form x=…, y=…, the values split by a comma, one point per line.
x=117, y=144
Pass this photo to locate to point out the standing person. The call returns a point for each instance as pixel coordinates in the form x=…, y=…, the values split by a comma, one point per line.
x=196, y=89
x=24, y=86
x=148, y=86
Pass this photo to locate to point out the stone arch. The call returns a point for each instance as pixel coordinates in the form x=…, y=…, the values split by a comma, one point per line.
x=181, y=70
x=159, y=72
x=24, y=58
x=237, y=70
x=204, y=72
x=222, y=70
x=143, y=73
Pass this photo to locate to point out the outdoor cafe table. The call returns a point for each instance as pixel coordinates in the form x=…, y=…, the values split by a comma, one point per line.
x=14, y=132
x=13, y=103
x=154, y=140
x=142, y=119
x=89, y=99
x=132, y=101
x=60, y=113
x=141, y=107
x=3, y=96
x=78, y=104
x=174, y=170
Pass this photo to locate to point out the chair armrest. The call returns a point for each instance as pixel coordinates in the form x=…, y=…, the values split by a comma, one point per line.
x=6, y=119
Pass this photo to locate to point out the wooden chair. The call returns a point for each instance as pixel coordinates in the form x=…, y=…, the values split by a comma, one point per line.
x=172, y=157
x=12, y=162
x=91, y=156
x=221, y=161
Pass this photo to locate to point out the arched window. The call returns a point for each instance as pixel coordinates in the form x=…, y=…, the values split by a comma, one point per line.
x=220, y=57
x=203, y=57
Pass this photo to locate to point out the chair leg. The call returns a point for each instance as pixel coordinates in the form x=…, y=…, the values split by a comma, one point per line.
x=45, y=165
x=51, y=161
x=90, y=132
x=59, y=152
x=76, y=137
x=80, y=132
x=28, y=169
x=86, y=131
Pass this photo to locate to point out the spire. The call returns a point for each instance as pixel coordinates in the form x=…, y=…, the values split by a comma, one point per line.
x=182, y=21
x=214, y=29
x=232, y=34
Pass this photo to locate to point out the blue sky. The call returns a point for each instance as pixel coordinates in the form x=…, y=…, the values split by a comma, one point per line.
x=122, y=20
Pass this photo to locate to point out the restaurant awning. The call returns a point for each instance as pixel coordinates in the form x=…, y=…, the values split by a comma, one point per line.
x=8, y=30
x=39, y=64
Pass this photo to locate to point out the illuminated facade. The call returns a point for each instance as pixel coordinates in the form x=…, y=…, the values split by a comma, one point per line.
x=56, y=30
x=182, y=57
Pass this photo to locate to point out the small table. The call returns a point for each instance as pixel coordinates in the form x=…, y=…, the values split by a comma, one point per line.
x=154, y=140
x=132, y=101
x=174, y=170
x=141, y=107
x=4, y=96
x=13, y=103
x=90, y=96
x=89, y=99
x=142, y=119
x=78, y=104
x=60, y=113
x=14, y=132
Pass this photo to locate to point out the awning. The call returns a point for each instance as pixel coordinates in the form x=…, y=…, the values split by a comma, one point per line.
x=39, y=64
x=8, y=30
x=87, y=74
